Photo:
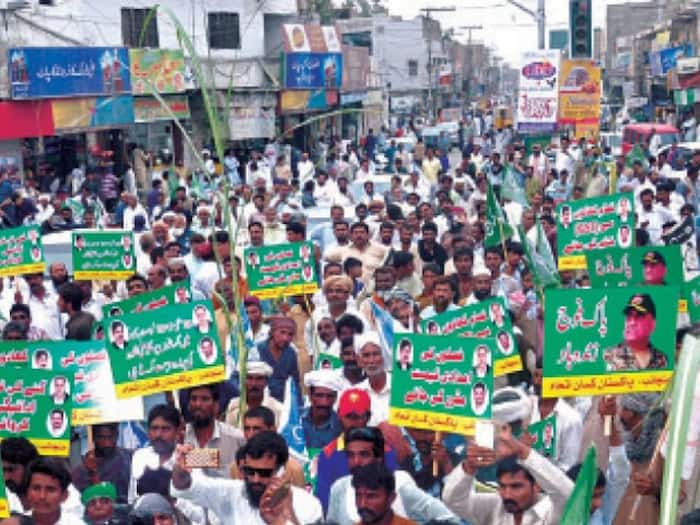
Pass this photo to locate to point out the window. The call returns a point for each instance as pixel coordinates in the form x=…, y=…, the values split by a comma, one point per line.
x=133, y=24
x=413, y=68
x=224, y=31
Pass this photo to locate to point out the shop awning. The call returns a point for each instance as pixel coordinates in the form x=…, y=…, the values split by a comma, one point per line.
x=25, y=119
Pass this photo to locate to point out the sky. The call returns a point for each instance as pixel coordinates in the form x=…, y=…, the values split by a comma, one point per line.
x=505, y=28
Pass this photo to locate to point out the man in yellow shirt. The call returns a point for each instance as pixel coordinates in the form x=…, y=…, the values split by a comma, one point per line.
x=431, y=167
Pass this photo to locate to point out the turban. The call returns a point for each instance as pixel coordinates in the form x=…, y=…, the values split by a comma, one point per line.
x=338, y=280
x=258, y=368
x=324, y=379
x=510, y=404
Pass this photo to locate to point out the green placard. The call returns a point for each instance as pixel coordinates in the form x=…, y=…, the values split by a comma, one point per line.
x=33, y=407
x=646, y=265
x=328, y=361
x=441, y=382
x=589, y=225
x=544, y=433
x=176, y=293
x=590, y=334
x=691, y=294
x=4, y=504
x=14, y=353
x=103, y=255
x=281, y=270
x=486, y=319
x=165, y=349
x=21, y=251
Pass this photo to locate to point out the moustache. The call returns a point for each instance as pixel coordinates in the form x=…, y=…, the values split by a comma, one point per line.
x=510, y=505
x=162, y=447
x=367, y=515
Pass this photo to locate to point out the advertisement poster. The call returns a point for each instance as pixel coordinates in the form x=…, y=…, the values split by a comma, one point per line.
x=165, y=349
x=441, y=383
x=601, y=341
x=590, y=225
x=646, y=265
x=313, y=70
x=176, y=293
x=579, y=93
x=486, y=320
x=54, y=72
x=103, y=255
x=21, y=251
x=160, y=70
x=281, y=270
x=545, y=435
x=538, y=92
x=36, y=404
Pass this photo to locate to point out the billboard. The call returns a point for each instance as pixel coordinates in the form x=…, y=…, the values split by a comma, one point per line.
x=579, y=92
x=538, y=92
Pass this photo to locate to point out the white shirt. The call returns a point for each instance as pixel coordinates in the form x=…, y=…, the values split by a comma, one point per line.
x=72, y=509
x=380, y=401
x=142, y=459
x=323, y=195
x=45, y=315
x=306, y=170
x=655, y=218
x=565, y=161
x=129, y=215
x=227, y=499
x=569, y=429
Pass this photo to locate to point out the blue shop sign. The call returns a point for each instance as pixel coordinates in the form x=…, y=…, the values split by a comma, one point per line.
x=53, y=72
x=313, y=70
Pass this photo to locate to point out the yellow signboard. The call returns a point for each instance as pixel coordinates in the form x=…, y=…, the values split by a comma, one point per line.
x=579, y=94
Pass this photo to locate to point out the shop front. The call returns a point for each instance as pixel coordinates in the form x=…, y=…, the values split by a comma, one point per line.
x=29, y=120
x=301, y=115
x=251, y=119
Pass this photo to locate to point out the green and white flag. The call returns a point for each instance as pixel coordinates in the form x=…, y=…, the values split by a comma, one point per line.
x=498, y=230
x=540, y=259
x=511, y=190
x=578, y=507
x=637, y=154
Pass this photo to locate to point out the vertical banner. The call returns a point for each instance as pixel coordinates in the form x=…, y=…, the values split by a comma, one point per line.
x=21, y=251
x=538, y=92
x=441, y=383
x=36, y=404
x=609, y=340
x=579, y=96
x=103, y=255
x=589, y=225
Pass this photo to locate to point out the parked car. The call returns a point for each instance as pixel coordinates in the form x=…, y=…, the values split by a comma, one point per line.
x=640, y=132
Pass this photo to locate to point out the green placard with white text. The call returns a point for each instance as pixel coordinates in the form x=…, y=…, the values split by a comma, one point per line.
x=21, y=251
x=281, y=270
x=103, y=255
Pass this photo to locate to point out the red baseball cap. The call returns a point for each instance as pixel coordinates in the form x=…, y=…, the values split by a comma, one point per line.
x=354, y=400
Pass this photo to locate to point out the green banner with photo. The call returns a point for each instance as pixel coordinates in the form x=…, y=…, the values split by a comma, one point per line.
x=4, y=504
x=588, y=225
x=609, y=340
x=176, y=293
x=281, y=270
x=36, y=404
x=544, y=433
x=160, y=350
x=103, y=255
x=441, y=383
x=21, y=251
x=691, y=294
x=486, y=319
x=646, y=265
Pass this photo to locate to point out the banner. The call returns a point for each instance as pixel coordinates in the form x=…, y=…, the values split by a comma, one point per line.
x=589, y=225
x=176, y=293
x=579, y=93
x=281, y=270
x=313, y=70
x=609, y=340
x=160, y=70
x=103, y=255
x=646, y=265
x=92, y=112
x=158, y=351
x=441, y=383
x=538, y=92
x=36, y=404
x=149, y=109
x=487, y=319
x=545, y=436
x=48, y=72
x=21, y=251
x=4, y=504
x=691, y=294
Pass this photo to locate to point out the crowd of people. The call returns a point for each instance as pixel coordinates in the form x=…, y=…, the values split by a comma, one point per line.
x=415, y=251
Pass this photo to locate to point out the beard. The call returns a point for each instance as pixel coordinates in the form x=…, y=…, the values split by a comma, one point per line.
x=163, y=447
x=200, y=420
x=368, y=516
x=254, y=491
x=105, y=452
x=482, y=294
x=58, y=281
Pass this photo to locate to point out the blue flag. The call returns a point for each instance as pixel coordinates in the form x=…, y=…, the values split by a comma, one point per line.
x=292, y=429
x=385, y=327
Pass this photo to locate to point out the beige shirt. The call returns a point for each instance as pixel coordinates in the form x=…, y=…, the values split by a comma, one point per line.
x=372, y=257
x=226, y=439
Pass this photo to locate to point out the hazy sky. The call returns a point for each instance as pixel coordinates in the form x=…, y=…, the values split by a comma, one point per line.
x=505, y=27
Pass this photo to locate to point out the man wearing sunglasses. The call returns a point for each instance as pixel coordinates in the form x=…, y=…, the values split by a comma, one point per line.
x=365, y=446
x=264, y=495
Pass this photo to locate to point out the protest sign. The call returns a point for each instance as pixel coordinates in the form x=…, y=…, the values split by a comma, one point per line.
x=544, y=433
x=646, y=265
x=103, y=255
x=176, y=293
x=4, y=504
x=165, y=349
x=441, y=383
x=21, y=251
x=281, y=270
x=36, y=404
x=589, y=225
x=609, y=340
x=486, y=319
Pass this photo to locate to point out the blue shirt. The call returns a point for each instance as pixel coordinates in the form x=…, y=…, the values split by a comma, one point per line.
x=283, y=368
x=320, y=436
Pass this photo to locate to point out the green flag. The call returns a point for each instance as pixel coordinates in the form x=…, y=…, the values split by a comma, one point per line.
x=540, y=259
x=511, y=190
x=578, y=508
x=497, y=227
x=637, y=153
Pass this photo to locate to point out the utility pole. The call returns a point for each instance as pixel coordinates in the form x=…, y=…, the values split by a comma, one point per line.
x=428, y=11
x=538, y=16
x=469, y=56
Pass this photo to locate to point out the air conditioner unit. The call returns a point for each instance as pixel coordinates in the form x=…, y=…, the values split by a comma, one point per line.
x=688, y=66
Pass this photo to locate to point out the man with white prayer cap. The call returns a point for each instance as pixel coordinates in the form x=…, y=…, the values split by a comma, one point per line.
x=321, y=423
x=257, y=394
x=483, y=283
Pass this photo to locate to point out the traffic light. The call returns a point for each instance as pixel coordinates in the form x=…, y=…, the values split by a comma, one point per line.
x=581, y=28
